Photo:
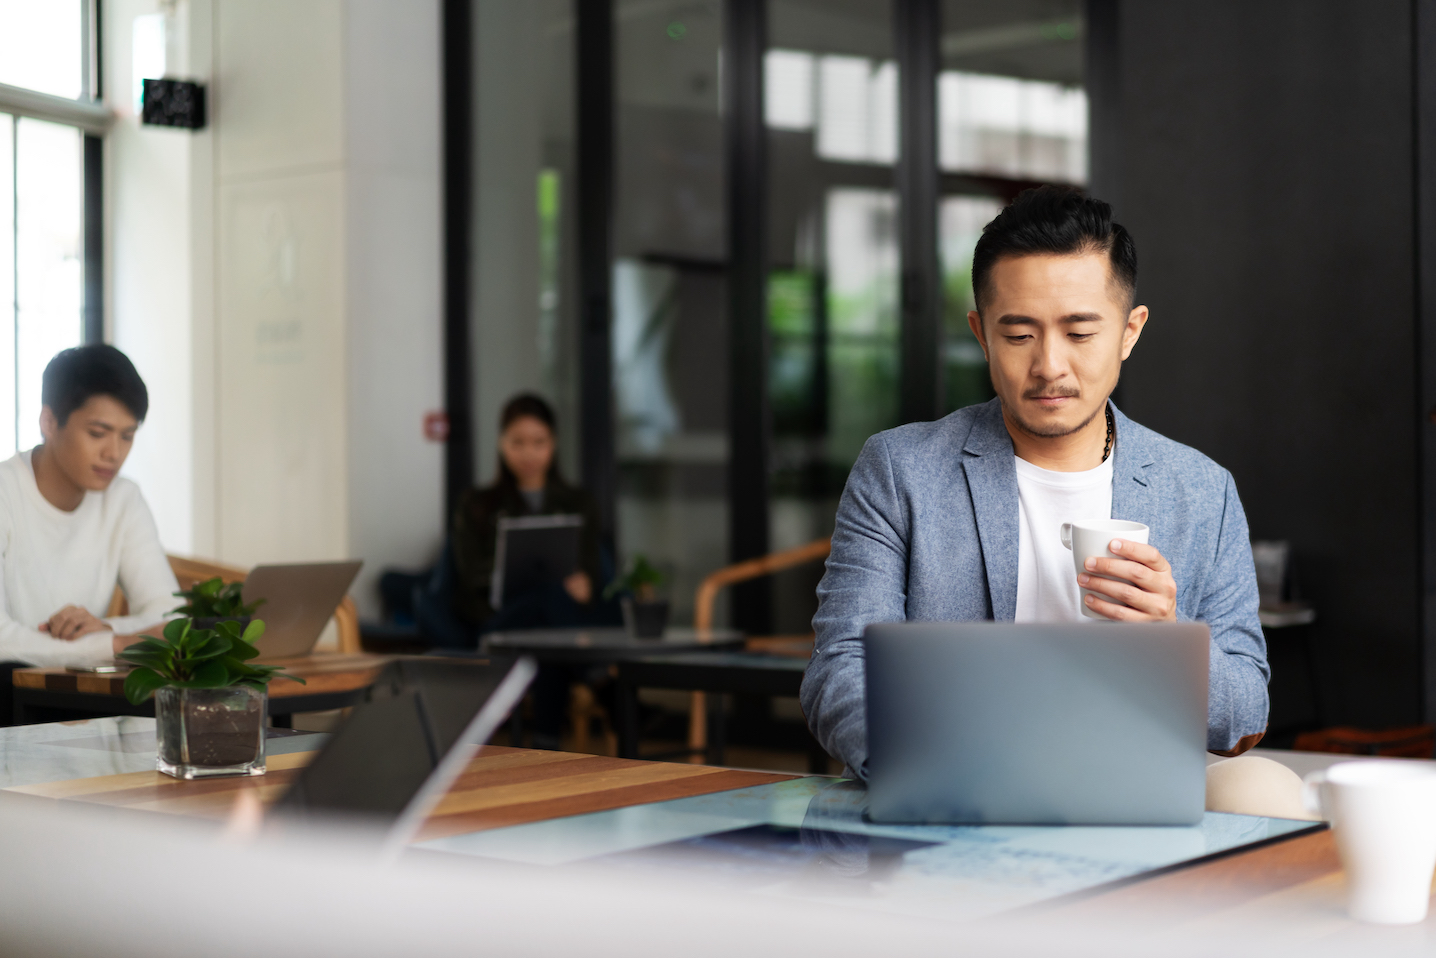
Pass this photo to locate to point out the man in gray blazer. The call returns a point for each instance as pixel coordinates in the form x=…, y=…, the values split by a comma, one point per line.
x=957, y=520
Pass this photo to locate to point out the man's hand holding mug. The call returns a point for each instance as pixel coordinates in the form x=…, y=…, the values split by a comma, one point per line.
x=1122, y=577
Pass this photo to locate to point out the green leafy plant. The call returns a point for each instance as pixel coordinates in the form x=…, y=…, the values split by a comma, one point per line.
x=642, y=578
x=189, y=658
x=214, y=599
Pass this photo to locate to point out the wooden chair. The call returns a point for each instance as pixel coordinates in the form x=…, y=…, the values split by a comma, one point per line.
x=191, y=571
x=703, y=601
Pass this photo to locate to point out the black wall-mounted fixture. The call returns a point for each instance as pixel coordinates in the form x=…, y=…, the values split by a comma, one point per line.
x=173, y=103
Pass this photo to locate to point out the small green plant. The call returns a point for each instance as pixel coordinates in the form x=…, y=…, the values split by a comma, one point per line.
x=189, y=658
x=642, y=578
x=214, y=599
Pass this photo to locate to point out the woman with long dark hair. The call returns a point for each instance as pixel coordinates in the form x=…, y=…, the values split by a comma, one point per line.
x=528, y=483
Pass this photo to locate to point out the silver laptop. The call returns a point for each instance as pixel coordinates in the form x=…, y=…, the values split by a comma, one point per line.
x=299, y=600
x=1079, y=724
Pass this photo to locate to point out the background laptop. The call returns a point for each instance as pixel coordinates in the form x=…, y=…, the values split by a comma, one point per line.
x=299, y=601
x=1079, y=724
x=397, y=754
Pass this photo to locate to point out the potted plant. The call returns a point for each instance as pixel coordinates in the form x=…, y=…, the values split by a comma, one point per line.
x=210, y=701
x=645, y=615
x=209, y=602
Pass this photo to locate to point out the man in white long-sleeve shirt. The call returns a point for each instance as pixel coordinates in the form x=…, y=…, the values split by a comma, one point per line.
x=71, y=529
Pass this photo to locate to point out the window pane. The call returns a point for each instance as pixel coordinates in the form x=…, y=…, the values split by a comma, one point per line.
x=1011, y=106
x=525, y=308
x=1009, y=127
x=857, y=109
x=49, y=275
x=42, y=45
x=7, y=285
x=960, y=222
x=670, y=353
x=831, y=112
x=862, y=259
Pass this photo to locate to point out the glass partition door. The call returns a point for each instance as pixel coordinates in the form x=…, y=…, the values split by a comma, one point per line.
x=670, y=337
x=831, y=98
x=1011, y=114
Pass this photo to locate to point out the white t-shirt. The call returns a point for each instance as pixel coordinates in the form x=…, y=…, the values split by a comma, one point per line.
x=50, y=558
x=1047, y=588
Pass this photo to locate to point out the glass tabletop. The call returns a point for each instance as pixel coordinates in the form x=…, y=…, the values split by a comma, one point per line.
x=808, y=838
x=60, y=751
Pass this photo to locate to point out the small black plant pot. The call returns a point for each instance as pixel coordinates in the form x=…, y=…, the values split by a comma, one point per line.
x=210, y=621
x=645, y=620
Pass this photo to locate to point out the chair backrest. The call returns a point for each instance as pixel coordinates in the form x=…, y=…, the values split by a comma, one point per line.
x=188, y=572
x=703, y=619
x=752, y=569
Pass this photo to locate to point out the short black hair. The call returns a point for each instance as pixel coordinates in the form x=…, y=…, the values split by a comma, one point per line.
x=1060, y=220
x=78, y=373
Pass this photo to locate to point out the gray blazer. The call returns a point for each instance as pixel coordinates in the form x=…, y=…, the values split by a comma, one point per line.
x=927, y=530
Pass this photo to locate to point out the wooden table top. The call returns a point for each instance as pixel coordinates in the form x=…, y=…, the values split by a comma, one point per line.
x=502, y=786
x=322, y=671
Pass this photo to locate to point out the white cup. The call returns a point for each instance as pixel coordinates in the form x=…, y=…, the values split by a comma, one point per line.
x=1384, y=815
x=1091, y=538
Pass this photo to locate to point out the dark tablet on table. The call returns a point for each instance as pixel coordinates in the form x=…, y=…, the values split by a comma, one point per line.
x=534, y=551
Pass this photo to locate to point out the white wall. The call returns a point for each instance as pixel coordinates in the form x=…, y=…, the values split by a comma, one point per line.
x=280, y=185
x=150, y=283
x=394, y=240
x=276, y=279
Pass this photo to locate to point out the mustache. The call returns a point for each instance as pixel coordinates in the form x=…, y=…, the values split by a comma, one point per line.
x=1061, y=392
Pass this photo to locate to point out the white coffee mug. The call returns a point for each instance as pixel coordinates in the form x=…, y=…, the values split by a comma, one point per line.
x=1383, y=812
x=1091, y=538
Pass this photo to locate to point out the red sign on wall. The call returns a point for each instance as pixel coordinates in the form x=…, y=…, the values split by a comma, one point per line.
x=436, y=425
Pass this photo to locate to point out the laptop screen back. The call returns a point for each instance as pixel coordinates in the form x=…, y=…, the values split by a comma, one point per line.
x=376, y=764
x=1009, y=723
x=299, y=600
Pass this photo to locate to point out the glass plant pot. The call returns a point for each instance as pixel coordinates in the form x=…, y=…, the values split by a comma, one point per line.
x=210, y=732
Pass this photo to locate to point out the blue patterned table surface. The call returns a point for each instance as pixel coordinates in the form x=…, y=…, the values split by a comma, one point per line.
x=808, y=838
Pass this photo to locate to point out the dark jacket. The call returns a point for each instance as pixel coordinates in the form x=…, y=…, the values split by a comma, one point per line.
x=476, y=530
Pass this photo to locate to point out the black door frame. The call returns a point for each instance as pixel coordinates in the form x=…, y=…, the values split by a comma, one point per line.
x=458, y=131
x=917, y=33
x=594, y=106
x=750, y=419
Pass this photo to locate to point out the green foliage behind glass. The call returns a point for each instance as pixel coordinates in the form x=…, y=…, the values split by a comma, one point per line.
x=794, y=364
x=188, y=658
x=964, y=368
x=214, y=599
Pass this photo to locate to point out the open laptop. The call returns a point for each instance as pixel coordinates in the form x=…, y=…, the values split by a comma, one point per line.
x=299, y=600
x=396, y=755
x=1078, y=724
